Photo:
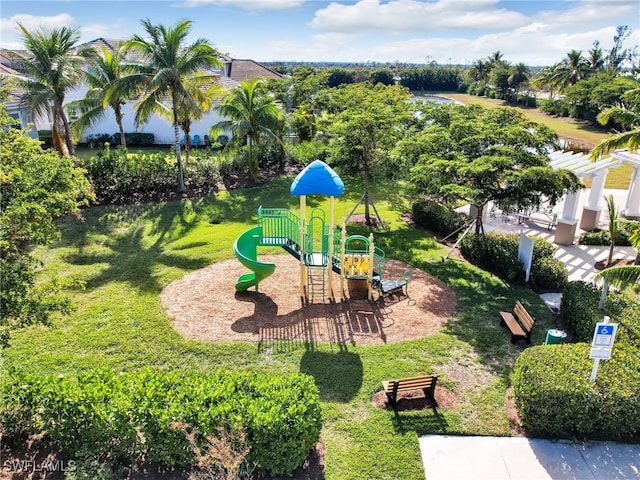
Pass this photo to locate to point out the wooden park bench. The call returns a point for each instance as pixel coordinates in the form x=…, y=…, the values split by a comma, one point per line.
x=520, y=323
x=427, y=383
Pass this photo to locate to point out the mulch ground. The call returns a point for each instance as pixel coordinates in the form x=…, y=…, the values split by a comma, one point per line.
x=205, y=306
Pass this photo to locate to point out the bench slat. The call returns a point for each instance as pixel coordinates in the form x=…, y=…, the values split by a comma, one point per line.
x=513, y=325
x=426, y=383
x=525, y=318
x=520, y=322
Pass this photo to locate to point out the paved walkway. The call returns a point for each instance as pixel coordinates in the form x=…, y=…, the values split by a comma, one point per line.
x=447, y=457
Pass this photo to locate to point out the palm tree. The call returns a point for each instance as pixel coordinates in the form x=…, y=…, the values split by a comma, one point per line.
x=614, y=228
x=253, y=116
x=54, y=68
x=627, y=115
x=628, y=274
x=479, y=71
x=172, y=64
x=495, y=60
x=112, y=83
x=204, y=94
x=519, y=75
x=596, y=57
x=546, y=78
x=573, y=68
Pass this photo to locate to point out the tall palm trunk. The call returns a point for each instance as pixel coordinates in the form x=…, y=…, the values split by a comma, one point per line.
x=58, y=131
x=117, y=110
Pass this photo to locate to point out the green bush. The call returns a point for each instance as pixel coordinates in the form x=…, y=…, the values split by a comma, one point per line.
x=579, y=309
x=548, y=273
x=134, y=139
x=438, y=218
x=117, y=175
x=123, y=418
x=555, y=397
x=498, y=252
x=602, y=237
x=45, y=136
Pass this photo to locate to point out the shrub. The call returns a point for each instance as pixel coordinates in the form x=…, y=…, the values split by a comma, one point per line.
x=498, y=252
x=123, y=418
x=548, y=274
x=134, y=139
x=437, y=218
x=555, y=397
x=579, y=309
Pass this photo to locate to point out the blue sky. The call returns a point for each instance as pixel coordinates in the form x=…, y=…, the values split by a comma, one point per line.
x=536, y=32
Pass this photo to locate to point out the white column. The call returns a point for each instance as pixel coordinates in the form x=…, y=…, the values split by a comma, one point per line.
x=591, y=212
x=632, y=207
x=568, y=224
x=570, y=207
x=597, y=188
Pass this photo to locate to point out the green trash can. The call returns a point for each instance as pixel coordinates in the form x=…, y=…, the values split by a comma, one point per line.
x=555, y=337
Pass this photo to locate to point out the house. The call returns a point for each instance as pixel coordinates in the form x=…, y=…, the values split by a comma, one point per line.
x=230, y=75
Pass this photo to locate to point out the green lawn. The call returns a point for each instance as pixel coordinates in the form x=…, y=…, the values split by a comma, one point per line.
x=126, y=255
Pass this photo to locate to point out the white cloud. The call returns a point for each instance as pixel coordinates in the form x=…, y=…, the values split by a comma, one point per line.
x=11, y=34
x=251, y=5
x=404, y=16
x=97, y=30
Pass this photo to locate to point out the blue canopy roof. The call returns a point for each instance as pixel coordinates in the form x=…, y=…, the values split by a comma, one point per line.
x=317, y=178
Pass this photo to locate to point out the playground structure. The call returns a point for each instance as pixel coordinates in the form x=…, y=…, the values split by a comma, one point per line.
x=319, y=246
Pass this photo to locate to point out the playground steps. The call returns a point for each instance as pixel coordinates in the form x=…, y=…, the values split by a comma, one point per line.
x=316, y=282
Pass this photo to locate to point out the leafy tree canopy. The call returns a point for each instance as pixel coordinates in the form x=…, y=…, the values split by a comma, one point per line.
x=37, y=187
x=468, y=154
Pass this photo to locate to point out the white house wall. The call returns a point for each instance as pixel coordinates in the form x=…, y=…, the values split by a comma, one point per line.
x=161, y=129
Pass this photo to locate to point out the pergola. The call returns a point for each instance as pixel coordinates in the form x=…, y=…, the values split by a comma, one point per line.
x=584, y=167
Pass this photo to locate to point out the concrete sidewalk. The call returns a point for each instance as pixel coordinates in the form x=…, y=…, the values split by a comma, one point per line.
x=447, y=457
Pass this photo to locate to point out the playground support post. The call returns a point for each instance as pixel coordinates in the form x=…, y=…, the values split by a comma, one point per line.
x=330, y=259
x=303, y=272
x=372, y=251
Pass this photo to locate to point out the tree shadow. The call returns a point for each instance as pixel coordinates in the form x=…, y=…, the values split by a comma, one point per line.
x=338, y=375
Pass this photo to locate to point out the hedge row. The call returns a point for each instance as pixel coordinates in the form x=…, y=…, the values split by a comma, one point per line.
x=555, y=397
x=498, y=252
x=580, y=313
x=438, y=218
x=117, y=175
x=123, y=418
x=602, y=237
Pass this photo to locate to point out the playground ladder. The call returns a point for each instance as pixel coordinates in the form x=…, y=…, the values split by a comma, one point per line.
x=316, y=281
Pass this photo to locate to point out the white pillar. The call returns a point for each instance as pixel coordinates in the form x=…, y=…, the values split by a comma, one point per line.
x=570, y=207
x=568, y=224
x=632, y=207
x=591, y=212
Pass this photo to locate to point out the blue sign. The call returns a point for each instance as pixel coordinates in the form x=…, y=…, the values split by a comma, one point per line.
x=605, y=329
x=604, y=335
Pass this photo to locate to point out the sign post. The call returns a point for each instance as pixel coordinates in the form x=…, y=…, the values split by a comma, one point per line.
x=602, y=343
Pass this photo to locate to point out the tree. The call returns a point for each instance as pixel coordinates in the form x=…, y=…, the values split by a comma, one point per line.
x=54, y=68
x=496, y=60
x=479, y=71
x=627, y=115
x=618, y=54
x=627, y=274
x=518, y=75
x=204, y=94
x=596, y=57
x=254, y=118
x=546, y=78
x=112, y=83
x=363, y=123
x=37, y=187
x=172, y=64
x=573, y=68
x=474, y=155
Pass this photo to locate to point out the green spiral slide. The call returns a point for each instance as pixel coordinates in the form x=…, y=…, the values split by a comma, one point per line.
x=245, y=249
